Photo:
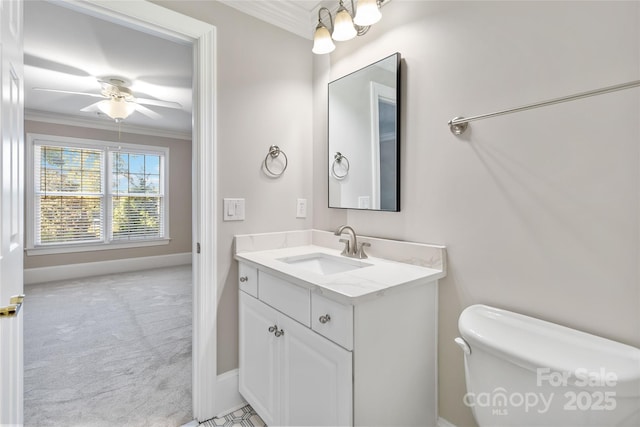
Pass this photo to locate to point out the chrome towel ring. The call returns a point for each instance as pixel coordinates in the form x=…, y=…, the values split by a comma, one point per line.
x=338, y=158
x=274, y=152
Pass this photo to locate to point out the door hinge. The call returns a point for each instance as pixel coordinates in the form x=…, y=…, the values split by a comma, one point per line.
x=197, y=248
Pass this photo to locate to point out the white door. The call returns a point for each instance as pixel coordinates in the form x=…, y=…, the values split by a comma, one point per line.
x=259, y=358
x=316, y=387
x=11, y=211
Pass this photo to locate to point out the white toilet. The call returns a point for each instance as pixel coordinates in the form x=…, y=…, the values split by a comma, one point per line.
x=522, y=371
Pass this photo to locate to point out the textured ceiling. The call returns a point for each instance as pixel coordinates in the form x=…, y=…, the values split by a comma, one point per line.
x=68, y=50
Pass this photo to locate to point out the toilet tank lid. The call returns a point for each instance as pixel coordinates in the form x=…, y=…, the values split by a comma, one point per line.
x=533, y=343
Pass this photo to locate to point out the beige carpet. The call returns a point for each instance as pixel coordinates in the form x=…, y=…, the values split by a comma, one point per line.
x=111, y=350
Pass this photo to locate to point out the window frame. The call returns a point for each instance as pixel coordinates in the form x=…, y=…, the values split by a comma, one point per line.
x=107, y=147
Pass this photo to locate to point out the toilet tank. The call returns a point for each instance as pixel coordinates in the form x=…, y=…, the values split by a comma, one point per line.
x=523, y=371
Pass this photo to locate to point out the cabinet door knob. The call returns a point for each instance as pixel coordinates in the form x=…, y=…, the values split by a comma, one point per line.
x=273, y=328
x=324, y=319
x=279, y=333
x=244, y=279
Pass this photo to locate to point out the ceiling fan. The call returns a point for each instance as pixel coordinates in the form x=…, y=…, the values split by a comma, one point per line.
x=118, y=101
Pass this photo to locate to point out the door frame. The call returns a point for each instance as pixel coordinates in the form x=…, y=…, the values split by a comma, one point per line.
x=377, y=92
x=159, y=21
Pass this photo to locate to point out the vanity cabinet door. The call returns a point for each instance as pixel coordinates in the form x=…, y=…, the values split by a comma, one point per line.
x=259, y=365
x=316, y=379
x=291, y=375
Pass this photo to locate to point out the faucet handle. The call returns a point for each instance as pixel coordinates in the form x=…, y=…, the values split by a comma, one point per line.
x=345, y=251
x=361, y=253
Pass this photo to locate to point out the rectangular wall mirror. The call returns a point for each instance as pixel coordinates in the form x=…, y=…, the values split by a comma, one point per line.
x=364, y=138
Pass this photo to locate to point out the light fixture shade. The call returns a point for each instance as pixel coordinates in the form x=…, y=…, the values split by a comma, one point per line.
x=368, y=13
x=322, y=42
x=117, y=108
x=343, y=28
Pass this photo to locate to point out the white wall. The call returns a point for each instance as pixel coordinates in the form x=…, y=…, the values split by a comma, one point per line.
x=539, y=210
x=264, y=97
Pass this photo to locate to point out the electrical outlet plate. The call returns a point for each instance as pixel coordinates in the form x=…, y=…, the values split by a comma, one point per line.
x=301, y=208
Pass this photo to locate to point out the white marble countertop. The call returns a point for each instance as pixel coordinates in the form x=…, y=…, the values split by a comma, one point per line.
x=379, y=277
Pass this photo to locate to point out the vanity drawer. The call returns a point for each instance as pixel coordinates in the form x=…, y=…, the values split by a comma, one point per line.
x=292, y=300
x=248, y=279
x=332, y=320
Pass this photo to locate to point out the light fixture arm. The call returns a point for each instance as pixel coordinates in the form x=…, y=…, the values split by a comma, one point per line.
x=320, y=17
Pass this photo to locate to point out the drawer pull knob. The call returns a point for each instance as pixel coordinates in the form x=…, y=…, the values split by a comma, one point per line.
x=244, y=279
x=279, y=333
x=324, y=319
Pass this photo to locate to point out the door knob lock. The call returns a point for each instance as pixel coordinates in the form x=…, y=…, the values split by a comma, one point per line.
x=12, y=310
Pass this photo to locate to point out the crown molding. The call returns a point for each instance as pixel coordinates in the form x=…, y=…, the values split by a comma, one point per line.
x=61, y=119
x=289, y=15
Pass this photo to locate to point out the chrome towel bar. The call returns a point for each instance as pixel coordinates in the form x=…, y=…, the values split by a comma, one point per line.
x=458, y=125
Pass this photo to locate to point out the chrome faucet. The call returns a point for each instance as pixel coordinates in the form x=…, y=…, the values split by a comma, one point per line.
x=351, y=247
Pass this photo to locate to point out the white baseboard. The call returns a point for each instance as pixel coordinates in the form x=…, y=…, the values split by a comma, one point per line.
x=228, y=398
x=444, y=423
x=75, y=271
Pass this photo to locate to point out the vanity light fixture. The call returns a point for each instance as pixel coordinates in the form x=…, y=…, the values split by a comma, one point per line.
x=368, y=12
x=345, y=26
x=322, y=42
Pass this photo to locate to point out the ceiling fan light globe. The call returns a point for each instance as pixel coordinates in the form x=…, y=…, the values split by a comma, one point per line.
x=116, y=108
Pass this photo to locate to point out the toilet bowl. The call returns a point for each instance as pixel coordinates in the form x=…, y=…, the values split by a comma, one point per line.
x=522, y=371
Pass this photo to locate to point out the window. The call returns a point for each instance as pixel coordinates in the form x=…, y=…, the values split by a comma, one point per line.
x=86, y=192
x=137, y=204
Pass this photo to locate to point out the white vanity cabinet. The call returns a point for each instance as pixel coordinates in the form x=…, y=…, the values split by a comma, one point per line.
x=309, y=359
x=290, y=374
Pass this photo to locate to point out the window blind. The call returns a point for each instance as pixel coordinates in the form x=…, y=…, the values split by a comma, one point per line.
x=92, y=193
x=69, y=194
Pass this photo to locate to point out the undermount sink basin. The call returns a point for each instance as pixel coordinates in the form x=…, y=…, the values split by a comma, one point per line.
x=324, y=264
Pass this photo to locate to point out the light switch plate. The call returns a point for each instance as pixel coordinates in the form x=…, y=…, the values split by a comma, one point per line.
x=301, y=208
x=233, y=210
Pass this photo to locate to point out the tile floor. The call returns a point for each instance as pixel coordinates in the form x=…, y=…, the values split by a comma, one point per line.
x=243, y=417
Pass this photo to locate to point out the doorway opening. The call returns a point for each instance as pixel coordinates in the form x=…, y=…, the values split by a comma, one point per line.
x=156, y=20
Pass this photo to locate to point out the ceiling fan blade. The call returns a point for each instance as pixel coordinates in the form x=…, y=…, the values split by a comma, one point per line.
x=95, y=95
x=159, y=103
x=91, y=108
x=147, y=112
x=47, y=64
